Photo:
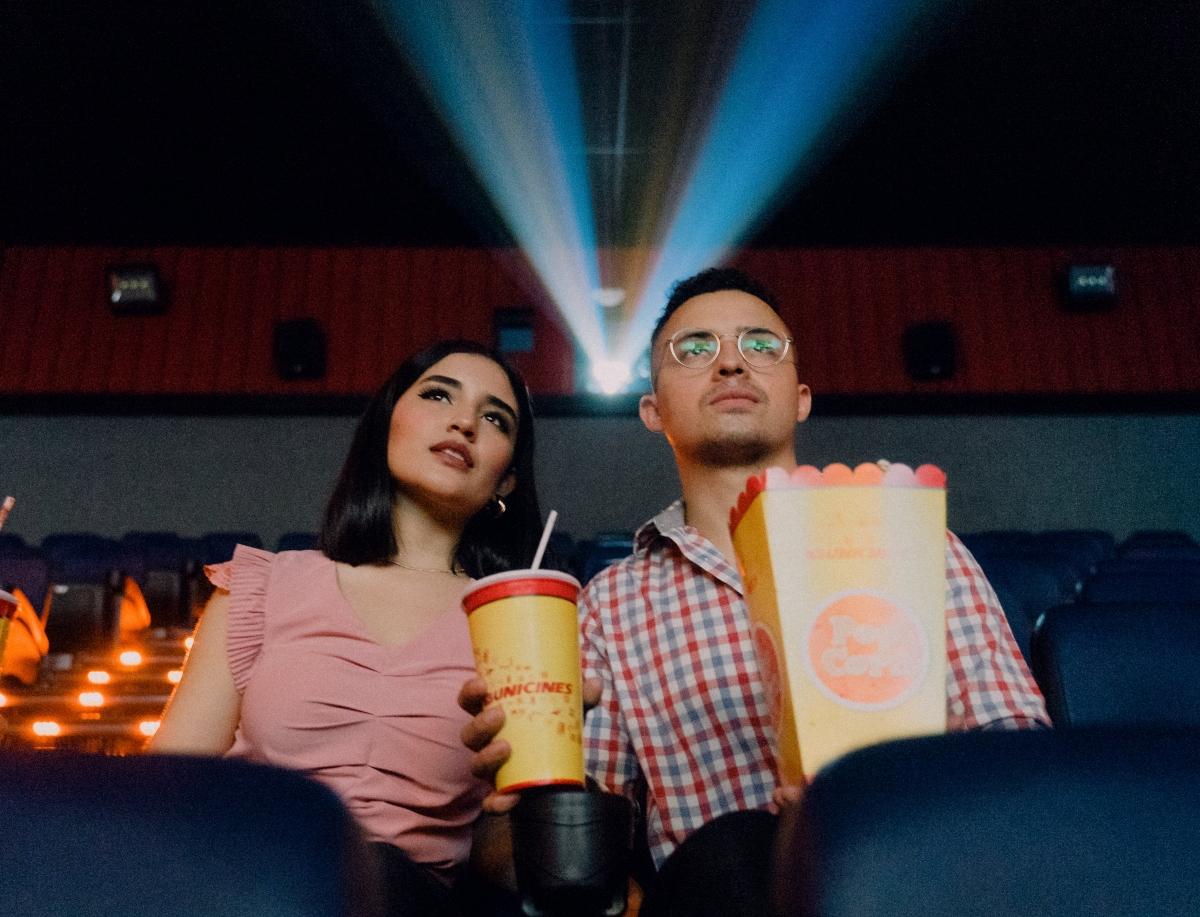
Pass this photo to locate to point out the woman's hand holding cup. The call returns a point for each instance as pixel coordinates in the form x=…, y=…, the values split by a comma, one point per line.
x=479, y=735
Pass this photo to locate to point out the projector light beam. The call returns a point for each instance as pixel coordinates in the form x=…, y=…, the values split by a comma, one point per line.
x=798, y=68
x=502, y=75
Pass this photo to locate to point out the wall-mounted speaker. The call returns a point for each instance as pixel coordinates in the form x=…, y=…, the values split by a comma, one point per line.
x=930, y=351
x=1089, y=287
x=135, y=289
x=299, y=348
x=514, y=331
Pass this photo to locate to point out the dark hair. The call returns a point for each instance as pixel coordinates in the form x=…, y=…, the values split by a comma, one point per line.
x=711, y=280
x=358, y=520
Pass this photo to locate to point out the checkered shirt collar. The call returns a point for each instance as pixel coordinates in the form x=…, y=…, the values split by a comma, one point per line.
x=670, y=524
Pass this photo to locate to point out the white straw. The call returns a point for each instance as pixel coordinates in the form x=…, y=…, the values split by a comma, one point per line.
x=541, y=549
x=5, y=509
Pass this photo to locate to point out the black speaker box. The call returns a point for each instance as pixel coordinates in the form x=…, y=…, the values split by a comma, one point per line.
x=299, y=347
x=930, y=351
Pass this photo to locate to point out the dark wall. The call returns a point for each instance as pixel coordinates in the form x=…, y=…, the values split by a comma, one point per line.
x=273, y=474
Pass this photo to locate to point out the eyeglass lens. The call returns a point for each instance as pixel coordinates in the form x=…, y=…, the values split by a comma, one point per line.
x=698, y=347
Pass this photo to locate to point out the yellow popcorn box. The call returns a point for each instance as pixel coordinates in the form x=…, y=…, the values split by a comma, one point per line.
x=845, y=577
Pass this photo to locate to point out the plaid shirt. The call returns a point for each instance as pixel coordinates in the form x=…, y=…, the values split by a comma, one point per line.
x=667, y=631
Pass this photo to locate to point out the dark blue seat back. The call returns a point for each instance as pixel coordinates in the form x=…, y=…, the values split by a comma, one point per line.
x=997, y=542
x=96, y=836
x=28, y=572
x=157, y=550
x=166, y=561
x=1035, y=584
x=217, y=547
x=594, y=554
x=297, y=541
x=1053, y=823
x=1187, y=566
x=1168, y=543
x=1158, y=538
x=1140, y=586
x=12, y=543
x=86, y=558
x=82, y=616
x=1087, y=547
x=1119, y=664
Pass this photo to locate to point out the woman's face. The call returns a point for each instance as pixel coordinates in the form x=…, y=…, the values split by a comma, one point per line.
x=453, y=433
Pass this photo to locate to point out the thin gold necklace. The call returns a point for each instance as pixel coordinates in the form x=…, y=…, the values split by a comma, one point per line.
x=403, y=566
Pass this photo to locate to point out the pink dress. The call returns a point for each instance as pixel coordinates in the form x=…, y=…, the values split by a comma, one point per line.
x=377, y=724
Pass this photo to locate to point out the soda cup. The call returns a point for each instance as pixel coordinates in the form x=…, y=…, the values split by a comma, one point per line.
x=525, y=634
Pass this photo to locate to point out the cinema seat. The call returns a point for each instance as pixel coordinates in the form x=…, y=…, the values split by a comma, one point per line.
x=166, y=563
x=28, y=571
x=1155, y=539
x=1181, y=585
x=594, y=554
x=1119, y=664
x=217, y=547
x=26, y=645
x=1048, y=823
x=1087, y=547
x=1033, y=585
x=297, y=541
x=95, y=836
x=998, y=542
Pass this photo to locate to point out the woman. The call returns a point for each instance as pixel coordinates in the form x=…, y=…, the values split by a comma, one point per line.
x=346, y=662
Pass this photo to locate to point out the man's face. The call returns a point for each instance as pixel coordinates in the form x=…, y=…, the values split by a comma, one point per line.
x=727, y=413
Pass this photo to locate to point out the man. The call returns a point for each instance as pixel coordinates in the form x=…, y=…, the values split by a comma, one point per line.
x=683, y=721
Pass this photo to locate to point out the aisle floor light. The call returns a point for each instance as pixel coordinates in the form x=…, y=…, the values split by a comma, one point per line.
x=130, y=658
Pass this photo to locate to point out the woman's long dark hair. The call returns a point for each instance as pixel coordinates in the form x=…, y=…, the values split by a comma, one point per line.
x=358, y=520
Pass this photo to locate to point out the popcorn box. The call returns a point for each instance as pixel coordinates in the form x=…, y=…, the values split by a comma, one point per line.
x=845, y=578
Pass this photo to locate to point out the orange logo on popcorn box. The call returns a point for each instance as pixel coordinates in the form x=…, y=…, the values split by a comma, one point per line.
x=867, y=652
x=525, y=634
x=844, y=573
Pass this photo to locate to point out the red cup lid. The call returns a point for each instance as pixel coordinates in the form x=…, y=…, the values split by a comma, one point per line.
x=515, y=583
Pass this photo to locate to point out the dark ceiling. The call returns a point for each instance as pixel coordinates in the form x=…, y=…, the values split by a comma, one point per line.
x=1010, y=122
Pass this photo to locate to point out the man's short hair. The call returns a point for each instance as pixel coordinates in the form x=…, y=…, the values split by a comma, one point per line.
x=711, y=280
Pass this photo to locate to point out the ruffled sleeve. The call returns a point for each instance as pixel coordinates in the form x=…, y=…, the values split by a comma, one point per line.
x=246, y=578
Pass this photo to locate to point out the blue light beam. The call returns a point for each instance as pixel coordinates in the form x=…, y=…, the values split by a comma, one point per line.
x=800, y=65
x=501, y=73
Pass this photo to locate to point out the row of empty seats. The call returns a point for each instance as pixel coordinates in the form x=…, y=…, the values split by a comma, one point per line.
x=86, y=590
x=100, y=633
x=163, y=562
x=83, y=567
x=1033, y=572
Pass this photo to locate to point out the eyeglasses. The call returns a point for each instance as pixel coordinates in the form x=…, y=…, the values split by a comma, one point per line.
x=696, y=348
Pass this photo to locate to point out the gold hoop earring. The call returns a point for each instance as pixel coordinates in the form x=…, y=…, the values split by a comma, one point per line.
x=499, y=509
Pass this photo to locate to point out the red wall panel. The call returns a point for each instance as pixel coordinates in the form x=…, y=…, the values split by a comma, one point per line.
x=848, y=309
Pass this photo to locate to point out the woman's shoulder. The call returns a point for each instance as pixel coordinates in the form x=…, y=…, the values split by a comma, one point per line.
x=300, y=559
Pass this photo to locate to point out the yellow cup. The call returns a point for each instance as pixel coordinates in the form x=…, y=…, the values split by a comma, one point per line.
x=525, y=634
